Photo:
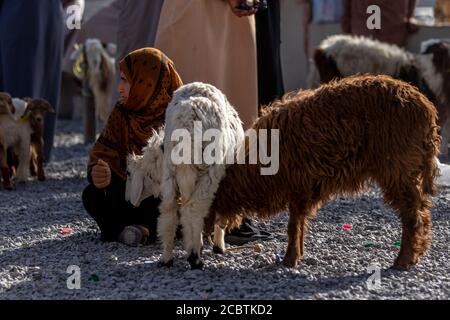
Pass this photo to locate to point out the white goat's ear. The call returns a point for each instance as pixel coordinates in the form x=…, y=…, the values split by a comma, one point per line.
x=137, y=187
x=77, y=52
x=111, y=48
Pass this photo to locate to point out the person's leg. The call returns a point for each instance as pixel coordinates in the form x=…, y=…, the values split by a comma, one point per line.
x=52, y=60
x=141, y=19
x=270, y=87
x=21, y=48
x=141, y=223
x=31, y=55
x=1, y=46
x=98, y=205
x=268, y=37
x=108, y=207
x=113, y=214
x=147, y=215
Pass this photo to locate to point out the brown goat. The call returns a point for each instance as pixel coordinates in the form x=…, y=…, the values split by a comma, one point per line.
x=333, y=140
x=6, y=109
x=6, y=104
x=34, y=114
x=36, y=110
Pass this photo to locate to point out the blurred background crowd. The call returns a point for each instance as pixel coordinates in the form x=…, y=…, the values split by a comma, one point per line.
x=253, y=56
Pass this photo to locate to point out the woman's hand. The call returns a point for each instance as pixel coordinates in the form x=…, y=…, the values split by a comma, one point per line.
x=101, y=174
x=238, y=12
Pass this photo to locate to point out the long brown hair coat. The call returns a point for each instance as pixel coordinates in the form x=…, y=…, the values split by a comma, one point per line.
x=333, y=140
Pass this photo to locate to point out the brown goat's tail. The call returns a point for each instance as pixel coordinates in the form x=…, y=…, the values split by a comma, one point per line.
x=431, y=163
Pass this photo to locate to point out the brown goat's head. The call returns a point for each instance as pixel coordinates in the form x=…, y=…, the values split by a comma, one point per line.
x=36, y=109
x=6, y=104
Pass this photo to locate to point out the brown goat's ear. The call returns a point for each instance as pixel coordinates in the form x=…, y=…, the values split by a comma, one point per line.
x=4, y=109
x=41, y=105
x=47, y=107
x=6, y=104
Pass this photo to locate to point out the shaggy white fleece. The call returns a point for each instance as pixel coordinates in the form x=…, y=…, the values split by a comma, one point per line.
x=187, y=189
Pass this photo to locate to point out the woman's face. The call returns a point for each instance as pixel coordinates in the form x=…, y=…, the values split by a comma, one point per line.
x=123, y=88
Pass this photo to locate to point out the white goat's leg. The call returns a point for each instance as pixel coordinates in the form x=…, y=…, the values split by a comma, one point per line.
x=187, y=229
x=167, y=226
x=193, y=215
x=219, y=239
x=23, y=171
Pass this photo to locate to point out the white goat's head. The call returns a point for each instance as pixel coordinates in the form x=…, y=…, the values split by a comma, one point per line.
x=94, y=54
x=144, y=172
x=94, y=50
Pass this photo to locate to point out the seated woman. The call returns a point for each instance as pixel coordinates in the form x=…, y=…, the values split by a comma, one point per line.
x=148, y=80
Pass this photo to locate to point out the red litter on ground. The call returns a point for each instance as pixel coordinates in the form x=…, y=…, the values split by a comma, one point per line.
x=347, y=227
x=66, y=230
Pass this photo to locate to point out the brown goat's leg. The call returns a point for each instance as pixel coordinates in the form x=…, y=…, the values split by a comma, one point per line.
x=5, y=169
x=33, y=170
x=416, y=238
x=6, y=178
x=297, y=228
x=38, y=160
x=415, y=216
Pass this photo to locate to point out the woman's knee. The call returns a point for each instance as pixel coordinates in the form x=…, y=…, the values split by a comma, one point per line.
x=91, y=197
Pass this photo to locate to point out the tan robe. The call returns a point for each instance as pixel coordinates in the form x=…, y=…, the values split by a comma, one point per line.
x=208, y=43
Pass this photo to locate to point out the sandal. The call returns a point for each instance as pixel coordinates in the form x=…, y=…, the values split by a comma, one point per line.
x=134, y=235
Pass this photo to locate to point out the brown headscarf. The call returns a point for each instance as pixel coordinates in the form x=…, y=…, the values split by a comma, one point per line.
x=153, y=80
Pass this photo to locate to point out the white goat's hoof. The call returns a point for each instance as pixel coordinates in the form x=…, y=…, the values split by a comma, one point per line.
x=195, y=261
x=20, y=178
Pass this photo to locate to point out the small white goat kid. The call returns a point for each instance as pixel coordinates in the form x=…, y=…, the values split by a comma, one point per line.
x=144, y=172
x=187, y=189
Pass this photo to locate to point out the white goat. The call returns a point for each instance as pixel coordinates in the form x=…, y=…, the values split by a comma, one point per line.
x=187, y=188
x=16, y=134
x=95, y=63
x=345, y=55
x=443, y=179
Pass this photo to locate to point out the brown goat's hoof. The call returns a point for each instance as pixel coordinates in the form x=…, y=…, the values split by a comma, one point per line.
x=168, y=264
x=401, y=266
x=405, y=263
x=8, y=186
x=290, y=263
x=42, y=178
x=398, y=267
x=218, y=250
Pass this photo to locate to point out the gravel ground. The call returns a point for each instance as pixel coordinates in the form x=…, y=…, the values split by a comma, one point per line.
x=34, y=255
